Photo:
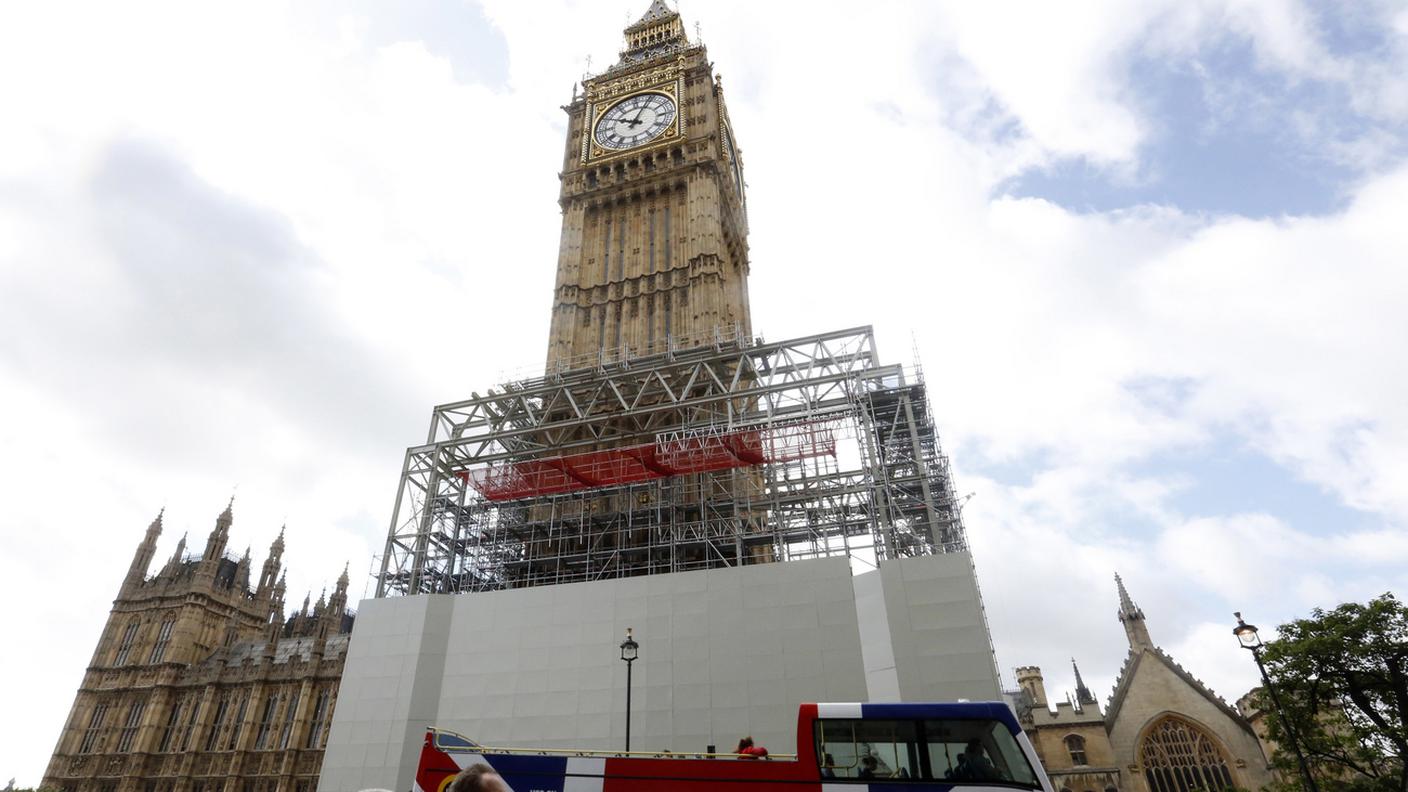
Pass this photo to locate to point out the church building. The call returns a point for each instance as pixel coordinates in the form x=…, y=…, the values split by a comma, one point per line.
x=1162, y=729
x=199, y=683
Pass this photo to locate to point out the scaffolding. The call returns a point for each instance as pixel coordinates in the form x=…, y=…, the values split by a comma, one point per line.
x=738, y=452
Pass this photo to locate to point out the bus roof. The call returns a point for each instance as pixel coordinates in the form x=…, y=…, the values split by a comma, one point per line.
x=912, y=710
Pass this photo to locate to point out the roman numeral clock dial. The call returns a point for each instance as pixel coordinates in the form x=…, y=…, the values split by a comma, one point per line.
x=634, y=121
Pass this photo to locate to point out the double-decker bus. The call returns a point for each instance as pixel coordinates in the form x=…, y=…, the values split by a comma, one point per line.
x=852, y=747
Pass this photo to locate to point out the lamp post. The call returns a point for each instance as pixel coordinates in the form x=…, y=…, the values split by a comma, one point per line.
x=1249, y=639
x=629, y=650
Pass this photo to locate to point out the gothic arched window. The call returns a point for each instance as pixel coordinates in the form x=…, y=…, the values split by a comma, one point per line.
x=1075, y=744
x=1181, y=757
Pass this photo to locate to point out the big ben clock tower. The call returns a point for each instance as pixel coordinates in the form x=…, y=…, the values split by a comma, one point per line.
x=654, y=243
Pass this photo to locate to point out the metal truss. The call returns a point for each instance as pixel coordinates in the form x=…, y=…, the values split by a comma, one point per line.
x=883, y=491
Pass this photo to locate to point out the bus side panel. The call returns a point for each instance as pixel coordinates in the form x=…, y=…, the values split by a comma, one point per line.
x=698, y=775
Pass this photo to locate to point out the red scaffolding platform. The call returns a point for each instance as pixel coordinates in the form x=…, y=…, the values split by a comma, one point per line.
x=675, y=455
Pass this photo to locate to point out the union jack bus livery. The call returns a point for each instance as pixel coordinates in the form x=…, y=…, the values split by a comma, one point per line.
x=966, y=747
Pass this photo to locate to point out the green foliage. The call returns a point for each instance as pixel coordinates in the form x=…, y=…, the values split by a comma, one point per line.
x=1342, y=679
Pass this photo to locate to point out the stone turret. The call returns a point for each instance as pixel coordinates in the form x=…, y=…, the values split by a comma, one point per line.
x=173, y=565
x=142, y=559
x=215, y=543
x=272, y=564
x=1030, y=680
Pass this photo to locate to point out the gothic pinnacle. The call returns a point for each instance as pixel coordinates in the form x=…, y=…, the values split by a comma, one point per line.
x=1127, y=607
x=1133, y=620
x=1083, y=694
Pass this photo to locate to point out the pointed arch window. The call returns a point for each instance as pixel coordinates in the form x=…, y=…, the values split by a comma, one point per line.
x=1075, y=745
x=1180, y=757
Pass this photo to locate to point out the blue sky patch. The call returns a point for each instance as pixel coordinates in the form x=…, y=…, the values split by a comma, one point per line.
x=1227, y=137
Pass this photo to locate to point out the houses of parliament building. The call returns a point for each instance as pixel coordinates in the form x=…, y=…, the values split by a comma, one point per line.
x=200, y=684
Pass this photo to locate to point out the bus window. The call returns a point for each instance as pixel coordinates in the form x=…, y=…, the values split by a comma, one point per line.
x=864, y=749
x=976, y=750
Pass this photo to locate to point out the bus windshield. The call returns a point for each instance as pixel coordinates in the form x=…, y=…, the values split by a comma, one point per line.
x=954, y=750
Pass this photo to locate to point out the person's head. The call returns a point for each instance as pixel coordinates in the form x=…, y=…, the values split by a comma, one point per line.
x=478, y=778
x=746, y=742
x=869, y=762
x=975, y=747
x=828, y=760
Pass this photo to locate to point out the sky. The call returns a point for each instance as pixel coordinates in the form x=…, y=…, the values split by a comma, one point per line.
x=1152, y=256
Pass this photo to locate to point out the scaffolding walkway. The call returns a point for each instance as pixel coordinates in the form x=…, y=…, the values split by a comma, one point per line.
x=739, y=452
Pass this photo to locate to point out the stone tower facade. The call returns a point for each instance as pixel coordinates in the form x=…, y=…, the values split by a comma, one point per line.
x=199, y=683
x=654, y=242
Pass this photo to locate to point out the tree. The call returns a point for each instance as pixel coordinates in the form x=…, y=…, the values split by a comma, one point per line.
x=1343, y=679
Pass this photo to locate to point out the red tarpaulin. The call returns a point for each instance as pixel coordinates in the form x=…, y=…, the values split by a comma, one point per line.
x=675, y=456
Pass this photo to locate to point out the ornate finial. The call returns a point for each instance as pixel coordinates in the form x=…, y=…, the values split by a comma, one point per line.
x=342, y=579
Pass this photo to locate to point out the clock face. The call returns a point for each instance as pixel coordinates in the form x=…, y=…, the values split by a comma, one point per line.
x=631, y=122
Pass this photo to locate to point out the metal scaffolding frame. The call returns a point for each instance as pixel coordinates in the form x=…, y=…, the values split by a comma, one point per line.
x=870, y=482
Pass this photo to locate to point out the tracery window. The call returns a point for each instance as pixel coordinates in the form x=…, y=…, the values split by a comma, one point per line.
x=221, y=709
x=1180, y=757
x=95, y=728
x=320, y=713
x=1075, y=744
x=289, y=715
x=194, y=710
x=129, y=729
x=126, y=647
x=163, y=637
x=237, y=725
x=266, y=721
x=173, y=726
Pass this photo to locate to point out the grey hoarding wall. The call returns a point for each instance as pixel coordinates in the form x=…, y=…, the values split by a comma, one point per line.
x=723, y=653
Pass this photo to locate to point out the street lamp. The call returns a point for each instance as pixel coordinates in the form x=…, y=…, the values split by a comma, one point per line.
x=1249, y=639
x=629, y=650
